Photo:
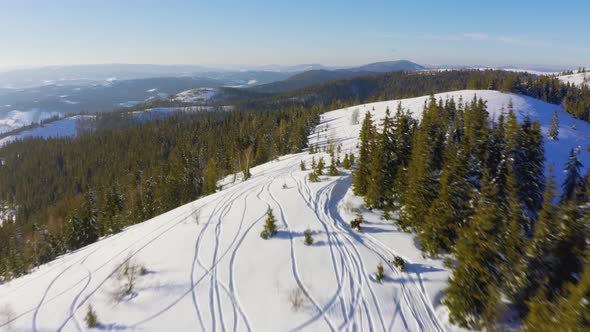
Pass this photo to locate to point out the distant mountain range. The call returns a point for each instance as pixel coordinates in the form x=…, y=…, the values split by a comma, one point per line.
x=312, y=77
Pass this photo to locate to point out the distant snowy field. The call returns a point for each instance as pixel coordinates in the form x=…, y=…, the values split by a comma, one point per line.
x=13, y=119
x=577, y=79
x=208, y=268
x=66, y=127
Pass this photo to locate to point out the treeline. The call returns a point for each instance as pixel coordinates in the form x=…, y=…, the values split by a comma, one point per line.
x=475, y=187
x=68, y=192
x=398, y=85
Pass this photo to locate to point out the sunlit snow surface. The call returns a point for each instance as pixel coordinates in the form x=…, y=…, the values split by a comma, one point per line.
x=208, y=268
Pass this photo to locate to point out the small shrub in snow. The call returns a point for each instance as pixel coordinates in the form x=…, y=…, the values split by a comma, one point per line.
x=91, y=319
x=126, y=279
x=313, y=177
x=399, y=263
x=302, y=165
x=296, y=299
x=380, y=275
x=285, y=186
x=270, y=227
x=308, y=237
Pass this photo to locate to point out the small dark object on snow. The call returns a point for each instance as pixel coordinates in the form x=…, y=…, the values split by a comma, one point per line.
x=356, y=223
x=399, y=263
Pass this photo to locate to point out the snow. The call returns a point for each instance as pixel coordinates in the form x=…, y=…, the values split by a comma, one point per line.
x=199, y=95
x=556, y=152
x=16, y=119
x=208, y=268
x=130, y=103
x=576, y=79
x=66, y=127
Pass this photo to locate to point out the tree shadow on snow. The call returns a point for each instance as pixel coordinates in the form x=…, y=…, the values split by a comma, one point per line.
x=111, y=327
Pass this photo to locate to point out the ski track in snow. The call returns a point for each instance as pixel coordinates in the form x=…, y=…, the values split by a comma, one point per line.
x=218, y=275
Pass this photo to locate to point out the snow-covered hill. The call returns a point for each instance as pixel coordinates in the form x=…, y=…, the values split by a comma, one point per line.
x=577, y=79
x=206, y=267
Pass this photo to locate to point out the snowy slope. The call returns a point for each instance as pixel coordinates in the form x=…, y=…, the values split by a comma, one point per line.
x=208, y=268
x=577, y=79
x=66, y=127
x=199, y=95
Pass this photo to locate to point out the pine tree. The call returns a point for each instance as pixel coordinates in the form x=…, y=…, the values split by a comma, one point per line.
x=553, y=132
x=568, y=311
x=573, y=185
x=472, y=296
x=302, y=165
x=308, y=237
x=319, y=169
x=541, y=259
x=450, y=210
x=346, y=162
x=270, y=227
x=91, y=319
x=361, y=173
x=313, y=163
x=332, y=170
x=529, y=170
x=421, y=186
x=380, y=275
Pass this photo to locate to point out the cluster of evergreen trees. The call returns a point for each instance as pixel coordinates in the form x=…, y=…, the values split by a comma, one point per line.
x=475, y=187
x=68, y=192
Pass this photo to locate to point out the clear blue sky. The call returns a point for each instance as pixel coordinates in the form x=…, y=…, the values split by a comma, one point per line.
x=254, y=32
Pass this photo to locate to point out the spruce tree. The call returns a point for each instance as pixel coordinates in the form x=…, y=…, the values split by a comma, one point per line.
x=568, y=311
x=361, y=173
x=319, y=169
x=529, y=169
x=302, y=165
x=346, y=162
x=270, y=227
x=553, y=132
x=541, y=258
x=450, y=210
x=421, y=184
x=473, y=295
x=332, y=170
x=573, y=185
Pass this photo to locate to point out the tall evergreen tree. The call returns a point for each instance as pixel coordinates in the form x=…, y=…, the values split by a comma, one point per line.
x=473, y=296
x=421, y=186
x=362, y=172
x=573, y=185
x=553, y=132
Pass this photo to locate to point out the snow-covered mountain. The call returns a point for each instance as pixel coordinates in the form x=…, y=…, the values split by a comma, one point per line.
x=205, y=266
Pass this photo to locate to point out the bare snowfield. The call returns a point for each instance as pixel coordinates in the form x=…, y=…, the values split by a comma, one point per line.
x=209, y=270
x=199, y=95
x=577, y=79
